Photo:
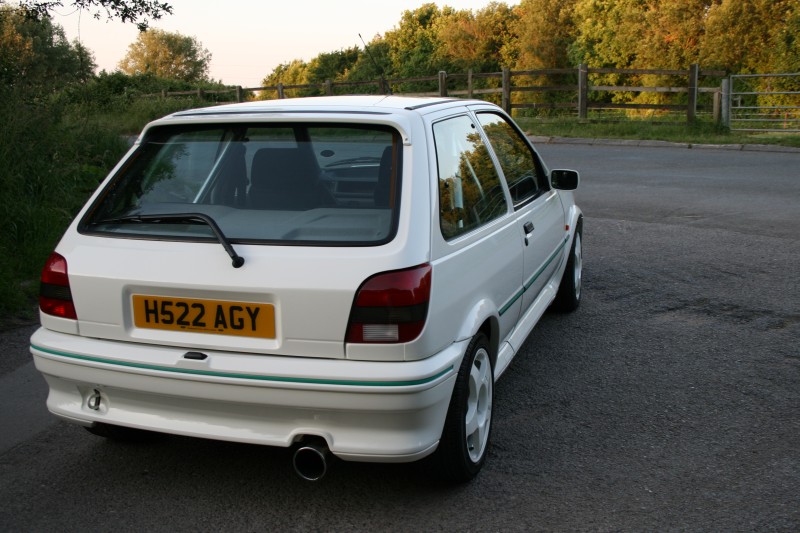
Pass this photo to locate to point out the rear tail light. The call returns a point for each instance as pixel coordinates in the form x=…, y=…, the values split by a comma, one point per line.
x=55, y=297
x=391, y=307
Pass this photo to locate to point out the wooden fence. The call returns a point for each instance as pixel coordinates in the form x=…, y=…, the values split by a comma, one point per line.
x=580, y=93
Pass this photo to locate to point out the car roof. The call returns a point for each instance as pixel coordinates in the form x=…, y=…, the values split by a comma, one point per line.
x=362, y=104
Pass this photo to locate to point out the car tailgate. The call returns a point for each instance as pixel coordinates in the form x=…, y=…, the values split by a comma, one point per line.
x=283, y=300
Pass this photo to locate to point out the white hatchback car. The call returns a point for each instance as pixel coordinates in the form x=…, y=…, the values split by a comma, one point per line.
x=347, y=275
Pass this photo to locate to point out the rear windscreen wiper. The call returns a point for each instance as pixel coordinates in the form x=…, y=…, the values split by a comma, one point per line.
x=237, y=260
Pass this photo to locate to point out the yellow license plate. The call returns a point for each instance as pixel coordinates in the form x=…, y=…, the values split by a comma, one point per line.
x=244, y=319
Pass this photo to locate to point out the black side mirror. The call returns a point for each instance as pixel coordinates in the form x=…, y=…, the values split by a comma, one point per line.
x=566, y=180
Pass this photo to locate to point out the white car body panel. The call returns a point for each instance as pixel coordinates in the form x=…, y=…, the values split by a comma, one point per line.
x=391, y=413
x=369, y=402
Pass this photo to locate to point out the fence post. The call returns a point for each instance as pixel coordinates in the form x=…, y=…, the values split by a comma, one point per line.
x=506, y=100
x=691, y=110
x=239, y=93
x=469, y=83
x=163, y=93
x=281, y=96
x=442, y=83
x=329, y=87
x=583, y=91
x=726, y=102
x=200, y=94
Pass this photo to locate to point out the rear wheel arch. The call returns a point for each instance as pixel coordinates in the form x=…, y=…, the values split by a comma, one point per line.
x=490, y=328
x=484, y=318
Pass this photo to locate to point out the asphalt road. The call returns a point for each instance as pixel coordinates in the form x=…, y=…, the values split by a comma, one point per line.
x=669, y=401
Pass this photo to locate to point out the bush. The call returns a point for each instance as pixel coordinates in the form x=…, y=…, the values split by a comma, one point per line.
x=55, y=148
x=50, y=162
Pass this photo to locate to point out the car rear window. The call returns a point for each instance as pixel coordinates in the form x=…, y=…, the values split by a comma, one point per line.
x=324, y=184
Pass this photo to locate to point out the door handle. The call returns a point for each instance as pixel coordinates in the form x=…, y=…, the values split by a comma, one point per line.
x=528, y=228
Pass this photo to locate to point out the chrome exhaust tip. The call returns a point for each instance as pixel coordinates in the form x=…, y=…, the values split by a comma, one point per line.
x=310, y=461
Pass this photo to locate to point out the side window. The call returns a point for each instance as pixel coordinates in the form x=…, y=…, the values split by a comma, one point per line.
x=518, y=162
x=470, y=193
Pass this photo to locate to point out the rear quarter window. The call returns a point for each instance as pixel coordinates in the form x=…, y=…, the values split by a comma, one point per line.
x=470, y=190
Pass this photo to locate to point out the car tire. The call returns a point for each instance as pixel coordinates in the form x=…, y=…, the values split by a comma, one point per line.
x=568, y=296
x=465, y=438
x=121, y=433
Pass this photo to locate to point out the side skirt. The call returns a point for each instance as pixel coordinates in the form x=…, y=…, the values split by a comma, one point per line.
x=532, y=315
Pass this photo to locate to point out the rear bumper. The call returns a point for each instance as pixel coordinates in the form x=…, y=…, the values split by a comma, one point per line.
x=366, y=411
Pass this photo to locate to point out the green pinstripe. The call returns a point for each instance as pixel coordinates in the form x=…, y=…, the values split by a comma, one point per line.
x=535, y=276
x=273, y=379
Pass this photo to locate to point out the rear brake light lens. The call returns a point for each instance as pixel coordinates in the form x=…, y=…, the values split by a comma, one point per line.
x=391, y=307
x=55, y=296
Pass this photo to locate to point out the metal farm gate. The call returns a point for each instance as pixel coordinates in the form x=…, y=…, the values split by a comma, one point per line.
x=763, y=103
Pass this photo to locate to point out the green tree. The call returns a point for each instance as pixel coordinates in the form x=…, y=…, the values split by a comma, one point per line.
x=482, y=41
x=640, y=34
x=767, y=41
x=291, y=73
x=414, y=45
x=544, y=30
x=672, y=34
x=608, y=33
x=294, y=72
x=373, y=62
x=167, y=55
x=36, y=53
x=134, y=11
x=733, y=35
x=752, y=36
x=332, y=65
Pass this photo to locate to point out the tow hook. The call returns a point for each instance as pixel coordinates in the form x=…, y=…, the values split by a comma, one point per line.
x=93, y=402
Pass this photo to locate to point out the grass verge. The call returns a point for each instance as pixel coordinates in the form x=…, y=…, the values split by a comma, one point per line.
x=699, y=133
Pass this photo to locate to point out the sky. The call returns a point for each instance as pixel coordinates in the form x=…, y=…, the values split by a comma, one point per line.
x=249, y=38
